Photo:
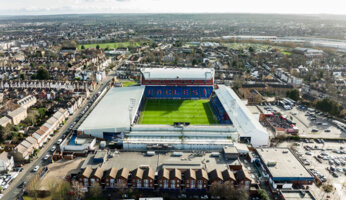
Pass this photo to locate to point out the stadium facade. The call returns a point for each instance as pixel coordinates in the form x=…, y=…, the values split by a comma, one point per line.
x=117, y=115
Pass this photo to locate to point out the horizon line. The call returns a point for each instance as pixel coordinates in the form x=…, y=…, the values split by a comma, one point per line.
x=174, y=13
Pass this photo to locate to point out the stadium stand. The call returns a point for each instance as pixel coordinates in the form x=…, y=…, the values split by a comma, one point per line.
x=219, y=110
x=178, y=92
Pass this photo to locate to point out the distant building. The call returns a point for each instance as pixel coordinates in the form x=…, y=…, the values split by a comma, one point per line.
x=27, y=101
x=18, y=115
x=6, y=162
x=4, y=121
x=308, y=52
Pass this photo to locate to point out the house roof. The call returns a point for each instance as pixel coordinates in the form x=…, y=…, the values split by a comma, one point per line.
x=190, y=174
x=87, y=172
x=149, y=173
x=98, y=173
x=123, y=173
x=44, y=128
x=202, y=174
x=112, y=172
x=215, y=175
x=17, y=111
x=40, y=131
x=175, y=173
x=164, y=173
x=241, y=175
x=138, y=173
x=31, y=140
x=4, y=156
x=228, y=174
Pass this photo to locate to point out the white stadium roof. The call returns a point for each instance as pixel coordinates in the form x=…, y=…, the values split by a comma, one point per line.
x=241, y=117
x=112, y=112
x=177, y=73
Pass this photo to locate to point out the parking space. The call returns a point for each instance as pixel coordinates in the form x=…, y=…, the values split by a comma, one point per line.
x=326, y=161
x=312, y=124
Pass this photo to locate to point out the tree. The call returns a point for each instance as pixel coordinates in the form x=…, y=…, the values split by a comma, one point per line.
x=228, y=192
x=194, y=62
x=59, y=189
x=263, y=194
x=42, y=112
x=42, y=74
x=2, y=134
x=154, y=45
x=293, y=94
x=31, y=119
x=97, y=47
x=78, y=190
x=22, y=76
x=328, y=105
x=95, y=191
x=33, y=186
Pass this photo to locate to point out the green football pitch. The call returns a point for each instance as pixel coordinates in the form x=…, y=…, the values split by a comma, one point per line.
x=168, y=111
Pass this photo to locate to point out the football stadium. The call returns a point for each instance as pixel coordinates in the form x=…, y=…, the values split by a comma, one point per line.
x=174, y=108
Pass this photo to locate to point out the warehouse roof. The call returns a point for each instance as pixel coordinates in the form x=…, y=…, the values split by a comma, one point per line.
x=177, y=73
x=281, y=163
x=112, y=112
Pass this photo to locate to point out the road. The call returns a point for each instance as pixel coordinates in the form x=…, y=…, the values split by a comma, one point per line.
x=12, y=192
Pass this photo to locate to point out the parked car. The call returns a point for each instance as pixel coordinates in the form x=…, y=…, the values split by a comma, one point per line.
x=22, y=185
x=36, y=168
x=46, y=157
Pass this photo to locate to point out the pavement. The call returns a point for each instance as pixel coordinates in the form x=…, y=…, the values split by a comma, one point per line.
x=13, y=192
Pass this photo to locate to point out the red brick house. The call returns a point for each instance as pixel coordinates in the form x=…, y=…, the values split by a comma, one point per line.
x=228, y=176
x=215, y=176
x=190, y=179
x=169, y=179
x=96, y=176
x=143, y=178
x=110, y=178
x=243, y=179
x=84, y=178
x=196, y=179
x=202, y=179
x=122, y=178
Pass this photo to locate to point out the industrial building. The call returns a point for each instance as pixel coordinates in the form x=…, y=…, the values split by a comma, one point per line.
x=282, y=168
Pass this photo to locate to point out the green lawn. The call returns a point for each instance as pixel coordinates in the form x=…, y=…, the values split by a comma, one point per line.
x=286, y=53
x=167, y=111
x=109, y=45
x=128, y=83
x=32, y=198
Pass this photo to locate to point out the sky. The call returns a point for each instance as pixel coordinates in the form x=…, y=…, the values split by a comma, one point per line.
x=44, y=7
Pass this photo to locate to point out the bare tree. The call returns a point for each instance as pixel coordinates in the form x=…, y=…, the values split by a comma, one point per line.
x=95, y=191
x=78, y=190
x=33, y=186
